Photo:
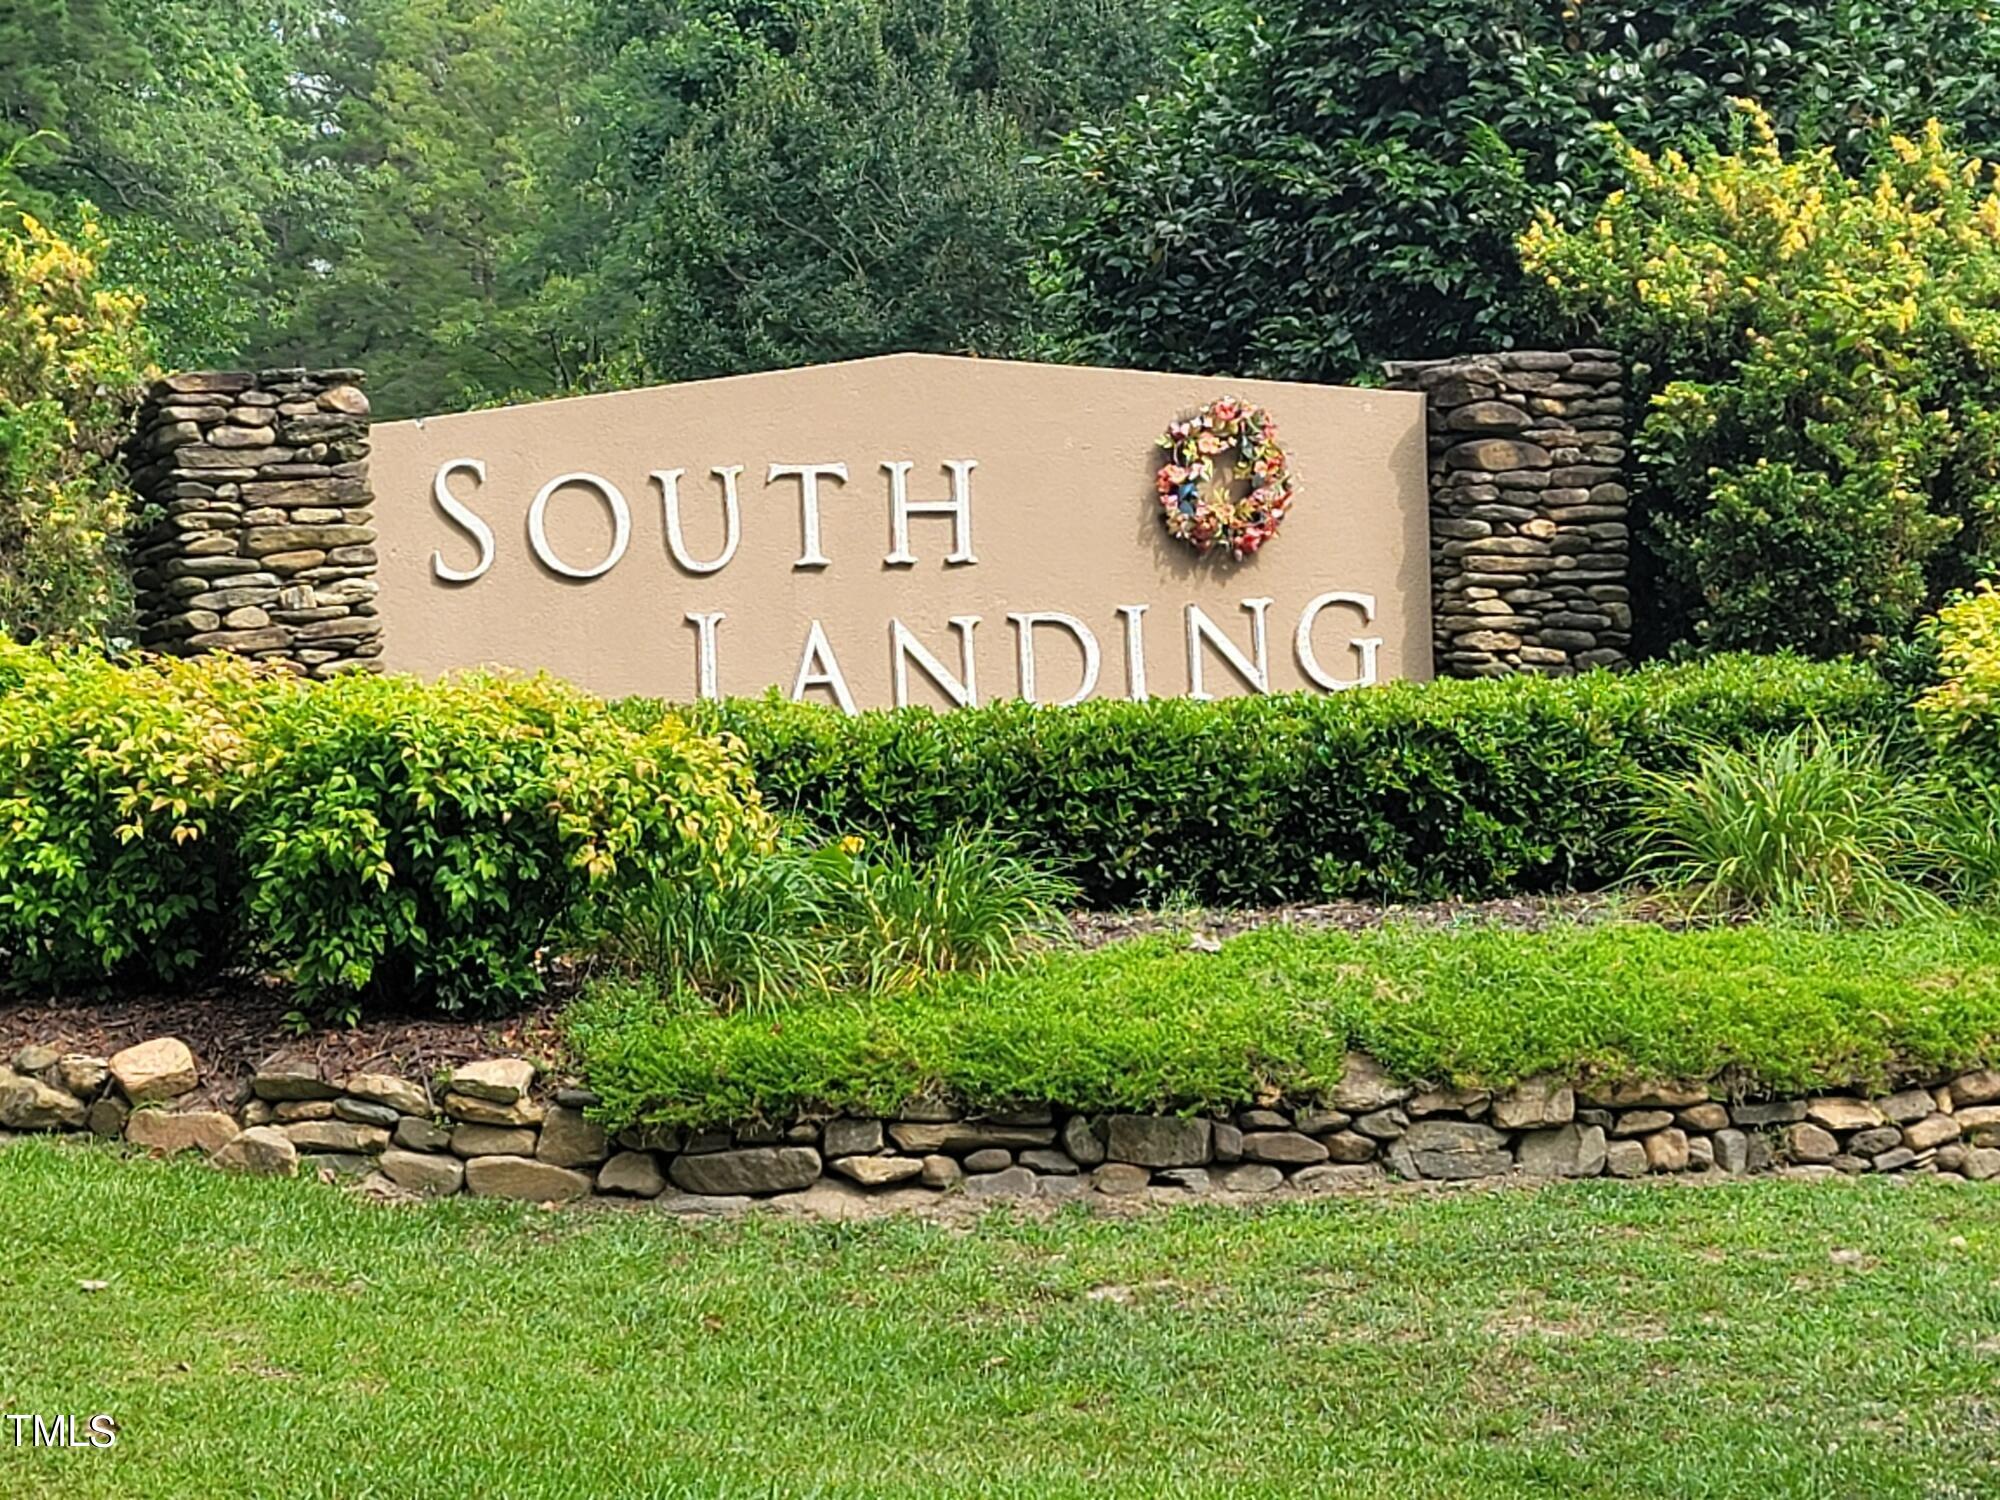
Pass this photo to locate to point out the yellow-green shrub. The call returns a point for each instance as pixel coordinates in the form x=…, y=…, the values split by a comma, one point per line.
x=429, y=839
x=71, y=355
x=117, y=821
x=1963, y=710
x=1824, y=353
x=373, y=836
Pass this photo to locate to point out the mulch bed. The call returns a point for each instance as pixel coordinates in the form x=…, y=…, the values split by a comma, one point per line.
x=235, y=1024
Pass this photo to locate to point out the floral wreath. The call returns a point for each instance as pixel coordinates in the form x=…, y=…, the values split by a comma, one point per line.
x=1199, y=510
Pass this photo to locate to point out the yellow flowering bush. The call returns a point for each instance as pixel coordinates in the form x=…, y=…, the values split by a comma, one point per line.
x=71, y=356
x=1821, y=447
x=1963, y=710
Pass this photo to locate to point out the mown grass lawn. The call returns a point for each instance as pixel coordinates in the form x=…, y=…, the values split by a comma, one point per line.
x=283, y=1339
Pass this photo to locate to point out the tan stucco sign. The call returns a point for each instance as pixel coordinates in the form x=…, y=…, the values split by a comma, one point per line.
x=913, y=528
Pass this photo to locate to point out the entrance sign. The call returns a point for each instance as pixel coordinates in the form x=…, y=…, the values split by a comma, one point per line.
x=909, y=529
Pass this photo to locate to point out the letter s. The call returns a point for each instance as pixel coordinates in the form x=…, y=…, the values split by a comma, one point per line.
x=462, y=515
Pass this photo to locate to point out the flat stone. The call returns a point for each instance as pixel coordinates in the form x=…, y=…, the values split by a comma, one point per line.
x=162, y=1068
x=570, y=1140
x=1635, y=1095
x=1982, y=1086
x=1157, y=1140
x=1262, y=1119
x=501, y=1080
x=1667, y=1150
x=632, y=1174
x=1562, y=1151
x=877, y=1171
x=1337, y=1178
x=80, y=1074
x=1894, y=1161
x=1251, y=1177
x=1807, y=1142
x=1982, y=1163
x=292, y=1110
x=1907, y=1107
x=106, y=1118
x=701, y=1205
x=920, y=1139
x=1451, y=1150
x=1187, y=1179
x=1732, y=1152
x=1625, y=1158
x=30, y=1104
x=1635, y=1122
x=941, y=1171
x=477, y=1111
x=260, y=1151
x=414, y=1134
x=1451, y=1101
x=203, y=1130
x=572, y=1097
x=1049, y=1163
x=492, y=1140
x=1120, y=1179
x=1062, y=1188
x=1706, y=1117
x=1383, y=1124
x=1348, y=1147
x=1286, y=1147
x=1843, y=1115
x=385, y=1088
x=1535, y=1105
x=281, y=1078
x=989, y=1159
x=1881, y=1138
x=1931, y=1131
x=340, y=1137
x=750, y=1170
x=1364, y=1087
x=365, y=1112
x=1701, y=1153
x=524, y=1178
x=1225, y=1141
x=851, y=1138
x=1496, y=455
x=423, y=1172
x=1013, y=1182
x=1081, y=1140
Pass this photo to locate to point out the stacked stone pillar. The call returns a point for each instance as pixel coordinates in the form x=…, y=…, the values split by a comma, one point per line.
x=1530, y=535
x=256, y=519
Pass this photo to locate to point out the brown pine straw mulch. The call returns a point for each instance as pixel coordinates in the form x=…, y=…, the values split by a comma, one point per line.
x=234, y=1024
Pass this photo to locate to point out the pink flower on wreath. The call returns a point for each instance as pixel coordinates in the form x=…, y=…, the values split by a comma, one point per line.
x=1198, y=510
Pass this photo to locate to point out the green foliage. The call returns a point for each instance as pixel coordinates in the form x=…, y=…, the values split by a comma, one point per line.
x=1829, y=345
x=1965, y=833
x=1409, y=790
x=1963, y=709
x=375, y=837
x=841, y=917
x=421, y=838
x=1152, y=1025
x=117, y=793
x=192, y=128
x=70, y=361
x=1801, y=825
x=974, y=905
x=1333, y=184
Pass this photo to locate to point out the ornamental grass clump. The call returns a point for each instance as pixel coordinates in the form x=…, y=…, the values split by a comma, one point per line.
x=1804, y=825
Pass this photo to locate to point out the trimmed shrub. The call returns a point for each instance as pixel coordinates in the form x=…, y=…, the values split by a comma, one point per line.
x=407, y=838
x=1405, y=791
x=375, y=836
x=1154, y=1025
x=1963, y=710
x=117, y=814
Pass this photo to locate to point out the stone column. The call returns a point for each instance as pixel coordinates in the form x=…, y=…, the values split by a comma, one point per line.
x=254, y=519
x=1530, y=541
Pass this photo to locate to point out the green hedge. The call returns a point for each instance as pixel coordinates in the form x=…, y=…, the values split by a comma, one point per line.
x=376, y=836
x=1405, y=791
x=1154, y=1025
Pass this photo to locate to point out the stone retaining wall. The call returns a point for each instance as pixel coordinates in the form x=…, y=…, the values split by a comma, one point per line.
x=256, y=515
x=1530, y=541
x=493, y=1129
